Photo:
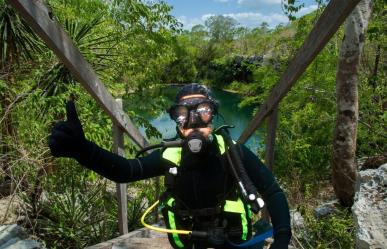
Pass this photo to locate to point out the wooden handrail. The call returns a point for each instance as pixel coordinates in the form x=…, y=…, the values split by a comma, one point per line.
x=327, y=25
x=38, y=17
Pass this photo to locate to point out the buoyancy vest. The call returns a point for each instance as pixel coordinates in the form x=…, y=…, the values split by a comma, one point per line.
x=236, y=213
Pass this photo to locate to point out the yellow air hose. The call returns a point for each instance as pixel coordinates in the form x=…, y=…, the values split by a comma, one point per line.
x=159, y=229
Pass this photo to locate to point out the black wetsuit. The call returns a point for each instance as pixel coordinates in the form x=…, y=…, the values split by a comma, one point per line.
x=201, y=181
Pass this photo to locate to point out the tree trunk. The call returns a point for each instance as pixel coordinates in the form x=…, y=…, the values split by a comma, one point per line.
x=344, y=168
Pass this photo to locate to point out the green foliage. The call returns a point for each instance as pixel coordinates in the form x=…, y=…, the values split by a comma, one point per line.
x=17, y=40
x=221, y=28
x=135, y=45
x=65, y=204
x=61, y=204
x=290, y=7
x=95, y=47
x=182, y=69
x=237, y=68
x=335, y=231
x=74, y=217
x=372, y=139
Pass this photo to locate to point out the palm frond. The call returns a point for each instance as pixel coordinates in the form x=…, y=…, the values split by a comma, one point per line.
x=54, y=81
x=17, y=39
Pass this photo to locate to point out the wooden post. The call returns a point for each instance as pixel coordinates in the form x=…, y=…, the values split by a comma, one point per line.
x=272, y=121
x=118, y=148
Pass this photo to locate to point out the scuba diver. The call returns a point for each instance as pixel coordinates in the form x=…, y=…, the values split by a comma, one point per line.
x=212, y=183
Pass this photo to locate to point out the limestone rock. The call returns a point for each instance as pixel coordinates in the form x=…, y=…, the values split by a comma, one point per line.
x=23, y=244
x=370, y=208
x=13, y=237
x=8, y=232
x=326, y=209
x=296, y=219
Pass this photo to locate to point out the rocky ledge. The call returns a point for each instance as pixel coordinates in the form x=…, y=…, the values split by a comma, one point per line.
x=370, y=209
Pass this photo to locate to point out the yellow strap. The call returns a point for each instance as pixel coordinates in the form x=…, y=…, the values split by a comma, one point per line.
x=173, y=155
x=221, y=144
x=234, y=206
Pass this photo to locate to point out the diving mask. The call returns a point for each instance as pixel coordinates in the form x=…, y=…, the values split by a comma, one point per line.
x=193, y=112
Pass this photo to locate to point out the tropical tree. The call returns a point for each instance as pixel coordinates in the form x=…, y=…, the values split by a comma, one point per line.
x=344, y=168
x=221, y=28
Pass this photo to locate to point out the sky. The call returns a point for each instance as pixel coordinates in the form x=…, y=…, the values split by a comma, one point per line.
x=248, y=13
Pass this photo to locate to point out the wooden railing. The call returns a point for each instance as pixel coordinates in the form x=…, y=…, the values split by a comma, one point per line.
x=38, y=16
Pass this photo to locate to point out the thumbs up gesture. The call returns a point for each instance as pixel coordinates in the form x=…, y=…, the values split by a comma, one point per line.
x=67, y=138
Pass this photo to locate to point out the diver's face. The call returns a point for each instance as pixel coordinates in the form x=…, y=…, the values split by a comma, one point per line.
x=206, y=131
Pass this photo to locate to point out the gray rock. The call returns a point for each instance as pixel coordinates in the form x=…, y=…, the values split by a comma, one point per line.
x=10, y=242
x=326, y=209
x=13, y=237
x=370, y=208
x=24, y=244
x=7, y=232
x=296, y=219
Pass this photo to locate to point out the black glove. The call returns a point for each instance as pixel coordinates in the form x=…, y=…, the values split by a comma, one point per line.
x=67, y=138
x=281, y=240
x=278, y=245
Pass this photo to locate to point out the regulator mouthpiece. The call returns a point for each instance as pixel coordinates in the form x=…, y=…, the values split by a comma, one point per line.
x=196, y=143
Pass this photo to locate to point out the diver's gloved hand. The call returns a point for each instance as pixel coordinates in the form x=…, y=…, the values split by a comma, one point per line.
x=279, y=245
x=67, y=138
x=281, y=240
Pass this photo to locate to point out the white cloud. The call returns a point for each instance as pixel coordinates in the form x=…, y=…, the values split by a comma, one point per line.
x=188, y=23
x=206, y=16
x=258, y=3
x=249, y=19
x=306, y=10
x=245, y=19
x=254, y=19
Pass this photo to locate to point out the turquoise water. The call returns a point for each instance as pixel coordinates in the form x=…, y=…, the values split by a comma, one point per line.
x=229, y=110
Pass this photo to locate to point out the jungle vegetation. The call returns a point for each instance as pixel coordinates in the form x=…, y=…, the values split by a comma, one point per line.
x=135, y=45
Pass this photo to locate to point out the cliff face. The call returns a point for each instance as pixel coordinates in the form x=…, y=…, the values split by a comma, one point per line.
x=370, y=208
